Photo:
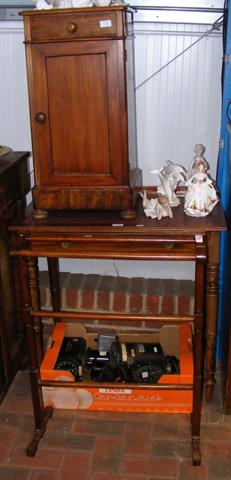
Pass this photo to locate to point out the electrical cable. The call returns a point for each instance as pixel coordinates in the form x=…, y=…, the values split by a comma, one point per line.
x=216, y=26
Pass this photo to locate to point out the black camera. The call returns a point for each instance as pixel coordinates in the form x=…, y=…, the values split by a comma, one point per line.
x=138, y=362
x=115, y=361
x=72, y=356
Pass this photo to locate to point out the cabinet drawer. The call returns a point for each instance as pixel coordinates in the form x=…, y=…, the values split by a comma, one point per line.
x=67, y=26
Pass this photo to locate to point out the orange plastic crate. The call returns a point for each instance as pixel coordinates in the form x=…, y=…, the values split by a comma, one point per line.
x=119, y=397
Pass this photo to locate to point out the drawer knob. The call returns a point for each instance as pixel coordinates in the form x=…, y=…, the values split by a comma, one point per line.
x=40, y=117
x=65, y=245
x=71, y=27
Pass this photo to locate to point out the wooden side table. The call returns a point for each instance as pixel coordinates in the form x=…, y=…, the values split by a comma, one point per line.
x=14, y=185
x=69, y=234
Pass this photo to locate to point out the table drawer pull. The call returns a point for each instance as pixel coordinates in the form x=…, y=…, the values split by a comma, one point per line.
x=168, y=245
x=71, y=27
x=64, y=245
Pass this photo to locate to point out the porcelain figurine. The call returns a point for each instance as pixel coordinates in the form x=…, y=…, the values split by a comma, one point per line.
x=43, y=5
x=201, y=196
x=156, y=207
x=170, y=176
x=199, y=151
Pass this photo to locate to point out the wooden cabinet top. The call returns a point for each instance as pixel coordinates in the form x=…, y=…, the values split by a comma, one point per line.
x=73, y=23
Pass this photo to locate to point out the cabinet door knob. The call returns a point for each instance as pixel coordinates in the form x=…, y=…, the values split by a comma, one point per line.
x=40, y=117
x=71, y=27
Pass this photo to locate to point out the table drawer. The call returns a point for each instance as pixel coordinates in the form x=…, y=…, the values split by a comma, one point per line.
x=107, y=246
x=68, y=26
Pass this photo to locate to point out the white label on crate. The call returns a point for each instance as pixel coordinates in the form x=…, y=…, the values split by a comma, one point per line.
x=155, y=349
x=105, y=23
x=199, y=238
x=141, y=348
x=102, y=353
x=121, y=391
x=145, y=374
x=123, y=352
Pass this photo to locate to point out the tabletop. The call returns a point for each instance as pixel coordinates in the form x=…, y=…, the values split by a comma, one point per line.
x=110, y=220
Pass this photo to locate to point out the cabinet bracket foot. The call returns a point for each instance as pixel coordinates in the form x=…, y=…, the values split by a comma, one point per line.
x=39, y=214
x=128, y=214
x=38, y=434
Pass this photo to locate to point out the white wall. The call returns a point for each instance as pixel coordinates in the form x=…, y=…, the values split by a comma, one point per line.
x=180, y=105
x=177, y=108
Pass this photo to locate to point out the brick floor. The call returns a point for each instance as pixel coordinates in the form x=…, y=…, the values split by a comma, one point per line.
x=111, y=446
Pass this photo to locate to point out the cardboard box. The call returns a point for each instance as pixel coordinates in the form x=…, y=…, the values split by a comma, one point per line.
x=175, y=340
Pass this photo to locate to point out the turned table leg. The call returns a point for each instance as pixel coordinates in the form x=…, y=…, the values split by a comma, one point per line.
x=211, y=311
x=198, y=363
x=29, y=289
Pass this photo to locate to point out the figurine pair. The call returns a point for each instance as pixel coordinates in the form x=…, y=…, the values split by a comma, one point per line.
x=200, y=197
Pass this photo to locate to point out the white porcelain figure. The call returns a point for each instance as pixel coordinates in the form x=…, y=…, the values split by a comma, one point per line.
x=102, y=3
x=82, y=3
x=156, y=207
x=170, y=176
x=201, y=196
x=43, y=5
x=199, y=151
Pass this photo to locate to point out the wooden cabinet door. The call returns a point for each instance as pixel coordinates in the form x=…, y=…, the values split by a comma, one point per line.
x=78, y=113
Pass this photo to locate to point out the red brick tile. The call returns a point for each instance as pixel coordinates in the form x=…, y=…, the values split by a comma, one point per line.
x=10, y=419
x=190, y=472
x=152, y=304
x=167, y=305
x=44, y=458
x=87, y=299
x=219, y=459
x=218, y=469
x=183, y=305
x=18, y=404
x=150, y=466
x=75, y=466
x=99, y=427
x=63, y=424
x=105, y=464
x=38, y=475
x=219, y=449
x=216, y=431
x=20, y=387
x=63, y=441
x=14, y=473
x=102, y=299
x=108, y=446
x=137, y=439
x=123, y=417
x=136, y=302
x=171, y=426
x=178, y=449
x=7, y=439
x=119, y=302
x=71, y=298
x=117, y=477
